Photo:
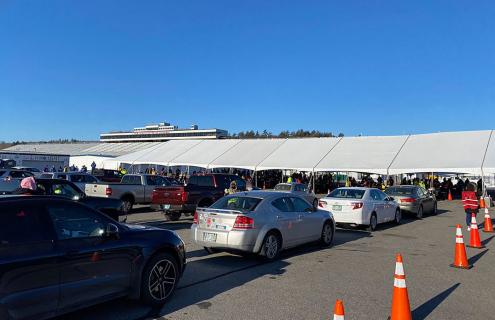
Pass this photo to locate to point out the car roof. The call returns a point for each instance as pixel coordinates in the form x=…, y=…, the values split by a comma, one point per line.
x=9, y=197
x=263, y=194
x=358, y=188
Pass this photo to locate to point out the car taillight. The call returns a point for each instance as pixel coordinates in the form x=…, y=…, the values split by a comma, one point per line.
x=195, y=219
x=243, y=222
x=108, y=191
x=184, y=196
x=408, y=200
x=356, y=205
x=322, y=204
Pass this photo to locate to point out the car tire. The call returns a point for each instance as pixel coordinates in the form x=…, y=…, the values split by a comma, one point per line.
x=327, y=234
x=398, y=216
x=173, y=216
x=315, y=203
x=159, y=279
x=270, y=249
x=373, y=222
x=211, y=250
x=419, y=214
x=435, y=209
x=127, y=205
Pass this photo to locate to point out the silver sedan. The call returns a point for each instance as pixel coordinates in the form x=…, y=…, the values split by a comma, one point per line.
x=262, y=222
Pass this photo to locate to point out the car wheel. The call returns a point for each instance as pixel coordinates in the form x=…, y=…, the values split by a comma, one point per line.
x=435, y=208
x=159, y=279
x=127, y=205
x=327, y=234
x=373, y=222
x=398, y=216
x=173, y=216
x=271, y=246
x=419, y=214
x=315, y=203
x=211, y=250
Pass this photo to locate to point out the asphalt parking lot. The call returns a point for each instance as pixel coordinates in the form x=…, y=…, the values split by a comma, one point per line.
x=305, y=282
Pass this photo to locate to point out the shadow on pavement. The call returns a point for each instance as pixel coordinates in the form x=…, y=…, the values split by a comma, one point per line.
x=426, y=308
x=487, y=240
x=476, y=257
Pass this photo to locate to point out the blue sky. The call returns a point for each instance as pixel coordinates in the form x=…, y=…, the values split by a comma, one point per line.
x=73, y=69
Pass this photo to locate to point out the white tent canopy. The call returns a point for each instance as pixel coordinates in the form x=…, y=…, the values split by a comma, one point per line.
x=489, y=160
x=166, y=152
x=451, y=152
x=202, y=154
x=299, y=154
x=455, y=152
x=247, y=154
x=362, y=154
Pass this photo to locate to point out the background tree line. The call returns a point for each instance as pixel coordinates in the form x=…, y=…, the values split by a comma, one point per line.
x=251, y=134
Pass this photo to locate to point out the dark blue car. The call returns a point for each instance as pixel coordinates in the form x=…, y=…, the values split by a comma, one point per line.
x=58, y=255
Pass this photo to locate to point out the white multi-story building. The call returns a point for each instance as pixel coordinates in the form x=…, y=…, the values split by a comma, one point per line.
x=163, y=132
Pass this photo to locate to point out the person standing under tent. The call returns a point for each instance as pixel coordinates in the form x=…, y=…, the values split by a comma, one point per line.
x=93, y=167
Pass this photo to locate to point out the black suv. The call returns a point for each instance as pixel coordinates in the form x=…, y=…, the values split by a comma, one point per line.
x=58, y=255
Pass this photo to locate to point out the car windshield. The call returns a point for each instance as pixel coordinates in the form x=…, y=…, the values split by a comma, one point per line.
x=282, y=187
x=400, y=191
x=347, y=193
x=243, y=204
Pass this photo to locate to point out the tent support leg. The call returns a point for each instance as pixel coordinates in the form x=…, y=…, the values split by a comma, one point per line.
x=255, y=179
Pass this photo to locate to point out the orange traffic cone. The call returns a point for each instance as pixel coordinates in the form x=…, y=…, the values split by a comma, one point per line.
x=482, y=203
x=449, y=197
x=474, y=236
x=460, y=257
x=488, y=227
x=400, y=299
x=338, y=311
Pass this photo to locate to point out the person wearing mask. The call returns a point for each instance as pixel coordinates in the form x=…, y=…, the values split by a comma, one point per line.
x=470, y=203
x=28, y=186
x=232, y=189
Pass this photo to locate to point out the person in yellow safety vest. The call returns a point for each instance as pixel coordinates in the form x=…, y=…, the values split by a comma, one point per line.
x=232, y=189
x=289, y=180
x=347, y=182
x=422, y=184
x=123, y=171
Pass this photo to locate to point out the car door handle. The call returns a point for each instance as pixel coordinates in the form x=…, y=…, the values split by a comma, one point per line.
x=279, y=217
x=300, y=216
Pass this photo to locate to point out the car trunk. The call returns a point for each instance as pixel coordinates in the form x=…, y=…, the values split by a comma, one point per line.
x=217, y=219
x=339, y=205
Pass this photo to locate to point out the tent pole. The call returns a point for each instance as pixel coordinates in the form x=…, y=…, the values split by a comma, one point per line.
x=255, y=178
x=314, y=181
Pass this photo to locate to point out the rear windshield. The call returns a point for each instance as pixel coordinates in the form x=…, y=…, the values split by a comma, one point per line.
x=347, y=193
x=400, y=191
x=243, y=204
x=282, y=187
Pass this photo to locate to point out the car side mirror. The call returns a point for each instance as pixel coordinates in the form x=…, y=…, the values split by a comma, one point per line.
x=112, y=231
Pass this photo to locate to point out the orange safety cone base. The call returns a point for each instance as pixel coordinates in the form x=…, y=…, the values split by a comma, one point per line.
x=459, y=267
x=491, y=231
x=480, y=247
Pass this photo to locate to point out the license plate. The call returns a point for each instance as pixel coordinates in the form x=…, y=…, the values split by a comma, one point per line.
x=209, y=237
x=166, y=206
x=337, y=207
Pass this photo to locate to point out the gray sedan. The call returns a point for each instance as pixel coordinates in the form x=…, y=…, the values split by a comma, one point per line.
x=262, y=222
x=414, y=199
x=299, y=189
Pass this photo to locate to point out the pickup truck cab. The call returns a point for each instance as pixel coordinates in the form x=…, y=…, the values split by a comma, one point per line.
x=133, y=189
x=200, y=191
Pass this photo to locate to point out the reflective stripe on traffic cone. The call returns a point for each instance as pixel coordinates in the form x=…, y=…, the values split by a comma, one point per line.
x=488, y=227
x=400, y=299
x=338, y=311
x=474, y=236
x=460, y=257
x=449, y=197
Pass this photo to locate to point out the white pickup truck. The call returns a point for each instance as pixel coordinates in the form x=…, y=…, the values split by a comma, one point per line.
x=133, y=189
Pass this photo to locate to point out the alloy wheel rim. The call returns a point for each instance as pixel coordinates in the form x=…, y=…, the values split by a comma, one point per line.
x=161, y=281
x=397, y=216
x=373, y=222
x=420, y=212
x=327, y=234
x=271, y=247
